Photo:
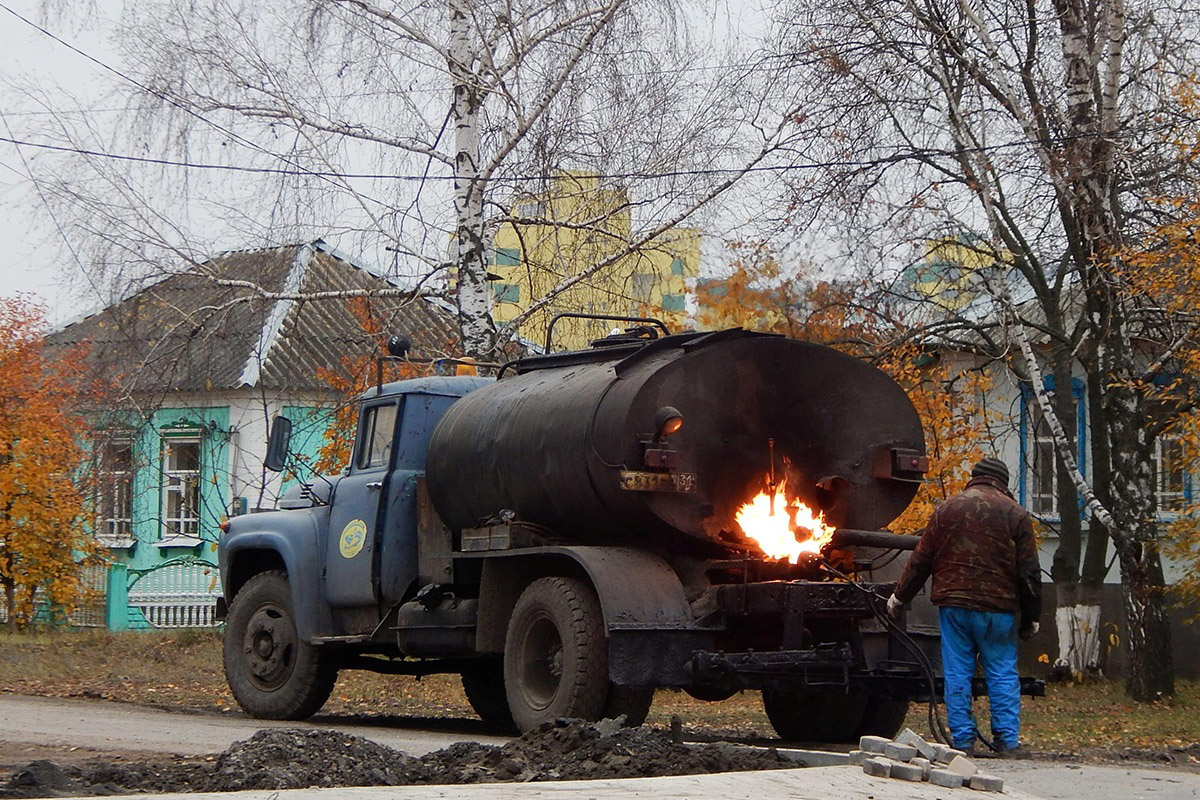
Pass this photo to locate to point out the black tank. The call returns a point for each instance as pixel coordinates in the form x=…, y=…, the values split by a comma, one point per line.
x=562, y=443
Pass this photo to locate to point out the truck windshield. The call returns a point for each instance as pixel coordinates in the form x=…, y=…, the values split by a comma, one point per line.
x=375, y=446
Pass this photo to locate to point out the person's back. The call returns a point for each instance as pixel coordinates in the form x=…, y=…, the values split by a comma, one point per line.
x=974, y=539
x=979, y=548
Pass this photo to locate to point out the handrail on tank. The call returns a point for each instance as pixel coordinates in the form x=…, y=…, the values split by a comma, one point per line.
x=609, y=317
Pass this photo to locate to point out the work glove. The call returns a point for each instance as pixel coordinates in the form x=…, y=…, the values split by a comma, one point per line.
x=894, y=606
x=1028, y=631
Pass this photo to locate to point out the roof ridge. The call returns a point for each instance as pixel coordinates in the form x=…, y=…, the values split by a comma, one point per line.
x=273, y=321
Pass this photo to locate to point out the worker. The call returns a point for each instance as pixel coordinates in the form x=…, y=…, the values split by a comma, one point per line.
x=987, y=585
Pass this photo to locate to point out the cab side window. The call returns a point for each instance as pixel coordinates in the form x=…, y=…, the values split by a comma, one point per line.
x=376, y=434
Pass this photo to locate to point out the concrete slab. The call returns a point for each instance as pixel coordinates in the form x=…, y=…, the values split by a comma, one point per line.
x=815, y=783
x=1072, y=781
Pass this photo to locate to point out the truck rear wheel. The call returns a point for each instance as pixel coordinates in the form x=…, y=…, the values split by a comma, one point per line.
x=273, y=673
x=632, y=701
x=815, y=715
x=884, y=716
x=555, y=654
x=484, y=688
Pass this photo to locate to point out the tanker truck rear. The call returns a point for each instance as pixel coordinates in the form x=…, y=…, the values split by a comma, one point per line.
x=698, y=511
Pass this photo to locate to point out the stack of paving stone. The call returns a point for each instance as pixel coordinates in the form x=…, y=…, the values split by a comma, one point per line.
x=908, y=757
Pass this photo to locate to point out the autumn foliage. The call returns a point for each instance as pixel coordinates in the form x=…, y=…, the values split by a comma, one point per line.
x=357, y=374
x=759, y=295
x=44, y=543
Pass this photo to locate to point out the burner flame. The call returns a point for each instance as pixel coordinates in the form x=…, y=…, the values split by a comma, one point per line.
x=781, y=528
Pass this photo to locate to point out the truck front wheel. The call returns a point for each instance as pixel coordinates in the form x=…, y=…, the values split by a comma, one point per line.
x=273, y=674
x=556, y=654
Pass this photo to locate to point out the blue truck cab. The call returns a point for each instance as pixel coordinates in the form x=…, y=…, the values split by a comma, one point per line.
x=338, y=557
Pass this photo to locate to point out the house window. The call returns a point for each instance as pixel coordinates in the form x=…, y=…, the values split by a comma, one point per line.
x=643, y=287
x=677, y=266
x=1039, y=453
x=115, y=502
x=375, y=443
x=181, y=487
x=672, y=302
x=1171, y=478
x=506, y=257
x=507, y=292
x=1042, y=464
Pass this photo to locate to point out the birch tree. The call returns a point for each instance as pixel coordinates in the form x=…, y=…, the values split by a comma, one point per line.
x=1036, y=129
x=405, y=128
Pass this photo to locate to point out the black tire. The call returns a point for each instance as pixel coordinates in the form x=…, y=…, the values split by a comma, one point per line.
x=710, y=694
x=555, y=654
x=815, y=715
x=632, y=701
x=484, y=687
x=273, y=674
x=884, y=716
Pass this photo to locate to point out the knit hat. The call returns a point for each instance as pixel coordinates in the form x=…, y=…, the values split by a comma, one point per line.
x=991, y=468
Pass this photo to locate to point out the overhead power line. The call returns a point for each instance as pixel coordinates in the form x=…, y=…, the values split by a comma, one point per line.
x=899, y=156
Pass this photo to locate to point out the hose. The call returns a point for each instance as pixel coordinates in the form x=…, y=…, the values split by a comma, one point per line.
x=936, y=726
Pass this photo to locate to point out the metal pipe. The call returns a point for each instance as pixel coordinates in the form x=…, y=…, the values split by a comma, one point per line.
x=846, y=537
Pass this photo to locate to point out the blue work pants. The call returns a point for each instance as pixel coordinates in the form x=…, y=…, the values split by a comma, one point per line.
x=991, y=637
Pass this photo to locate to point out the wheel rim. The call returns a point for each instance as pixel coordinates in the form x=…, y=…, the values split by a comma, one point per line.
x=541, y=664
x=270, y=646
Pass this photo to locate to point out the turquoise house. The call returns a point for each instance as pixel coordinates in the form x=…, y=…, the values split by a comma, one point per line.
x=203, y=358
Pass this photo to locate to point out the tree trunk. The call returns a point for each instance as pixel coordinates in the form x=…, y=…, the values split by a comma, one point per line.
x=473, y=293
x=1151, y=671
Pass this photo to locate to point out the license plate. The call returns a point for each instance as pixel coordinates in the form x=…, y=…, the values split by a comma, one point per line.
x=632, y=481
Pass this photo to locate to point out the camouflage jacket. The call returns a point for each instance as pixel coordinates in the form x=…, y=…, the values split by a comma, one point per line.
x=979, y=548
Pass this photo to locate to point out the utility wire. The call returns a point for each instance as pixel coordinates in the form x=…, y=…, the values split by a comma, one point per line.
x=908, y=155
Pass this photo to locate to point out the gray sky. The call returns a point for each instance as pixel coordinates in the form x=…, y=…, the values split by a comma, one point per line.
x=33, y=67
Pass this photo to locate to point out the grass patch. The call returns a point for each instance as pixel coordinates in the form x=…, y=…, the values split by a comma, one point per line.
x=182, y=670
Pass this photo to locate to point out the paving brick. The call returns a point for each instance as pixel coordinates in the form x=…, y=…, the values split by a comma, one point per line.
x=872, y=744
x=899, y=752
x=925, y=766
x=951, y=753
x=940, y=752
x=963, y=766
x=857, y=757
x=945, y=778
x=912, y=738
x=986, y=783
x=877, y=767
x=907, y=772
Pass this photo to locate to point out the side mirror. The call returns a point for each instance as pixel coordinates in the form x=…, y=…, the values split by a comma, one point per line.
x=277, y=446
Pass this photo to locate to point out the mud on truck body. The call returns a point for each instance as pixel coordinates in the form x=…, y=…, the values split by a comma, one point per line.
x=566, y=538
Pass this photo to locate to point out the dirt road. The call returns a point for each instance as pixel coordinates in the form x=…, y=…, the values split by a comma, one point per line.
x=98, y=725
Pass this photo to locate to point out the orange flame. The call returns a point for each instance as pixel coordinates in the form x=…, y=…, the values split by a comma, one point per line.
x=777, y=533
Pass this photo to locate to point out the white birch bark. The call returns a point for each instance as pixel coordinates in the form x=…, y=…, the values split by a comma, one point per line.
x=472, y=292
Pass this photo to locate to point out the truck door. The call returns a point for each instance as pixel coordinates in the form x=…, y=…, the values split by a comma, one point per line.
x=398, y=525
x=354, y=518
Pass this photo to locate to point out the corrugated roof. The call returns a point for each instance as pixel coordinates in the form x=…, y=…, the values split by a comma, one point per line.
x=188, y=332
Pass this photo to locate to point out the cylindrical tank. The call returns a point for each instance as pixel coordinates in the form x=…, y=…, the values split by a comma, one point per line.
x=563, y=443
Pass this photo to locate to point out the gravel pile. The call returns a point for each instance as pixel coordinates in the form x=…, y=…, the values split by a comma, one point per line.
x=300, y=758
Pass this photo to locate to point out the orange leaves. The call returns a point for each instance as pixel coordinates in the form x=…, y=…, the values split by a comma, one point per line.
x=357, y=374
x=950, y=398
x=43, y=540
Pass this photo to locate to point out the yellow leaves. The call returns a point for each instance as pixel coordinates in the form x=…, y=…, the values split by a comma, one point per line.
x=1044, y=658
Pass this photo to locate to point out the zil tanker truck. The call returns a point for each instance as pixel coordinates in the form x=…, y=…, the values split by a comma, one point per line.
x=698, y=511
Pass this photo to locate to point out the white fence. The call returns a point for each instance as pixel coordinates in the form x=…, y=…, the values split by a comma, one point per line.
x=179, y=595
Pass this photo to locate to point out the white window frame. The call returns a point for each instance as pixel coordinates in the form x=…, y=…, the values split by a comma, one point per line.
x=114, y=502
x=181, y=483
x=1172, y=501
x=1039, y=442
